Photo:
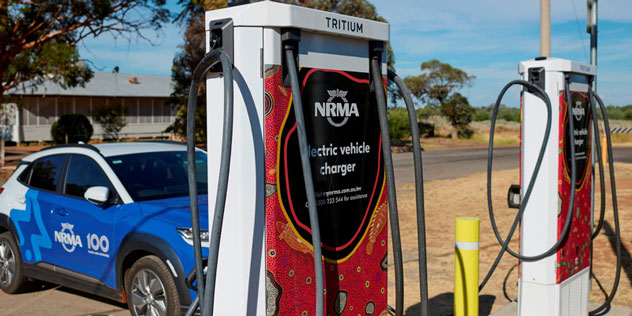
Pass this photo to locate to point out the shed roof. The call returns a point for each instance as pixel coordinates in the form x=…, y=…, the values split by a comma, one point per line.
x=105, y=84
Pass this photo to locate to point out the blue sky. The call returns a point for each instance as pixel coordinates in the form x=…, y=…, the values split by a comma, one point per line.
x=486, y=38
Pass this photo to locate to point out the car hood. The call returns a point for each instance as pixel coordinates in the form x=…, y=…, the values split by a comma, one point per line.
x=176, y=210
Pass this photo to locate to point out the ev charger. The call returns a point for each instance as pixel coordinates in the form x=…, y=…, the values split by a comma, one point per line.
x=265, y=260
x=557, y=285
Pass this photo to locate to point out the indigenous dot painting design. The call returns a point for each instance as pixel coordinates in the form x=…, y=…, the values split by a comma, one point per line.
x=574, y=256
x=359, y=279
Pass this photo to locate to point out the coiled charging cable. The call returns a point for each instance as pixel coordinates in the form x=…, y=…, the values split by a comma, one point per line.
x=419, y=192
x=505, y=244
x=378, y=87
x=206, y=288
x=613, y=188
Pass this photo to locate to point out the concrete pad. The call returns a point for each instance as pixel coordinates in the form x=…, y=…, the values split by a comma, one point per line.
x=511, y=309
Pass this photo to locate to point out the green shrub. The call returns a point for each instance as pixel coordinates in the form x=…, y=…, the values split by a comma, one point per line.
x=71, y=129
x=482, y=115
x=627, y=115
x=509, y=114
x=614, y=112
x=398, y=123
x=428, y=111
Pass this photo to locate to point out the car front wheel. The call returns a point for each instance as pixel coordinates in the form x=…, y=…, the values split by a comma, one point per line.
x=151, y=289
x=12, y=278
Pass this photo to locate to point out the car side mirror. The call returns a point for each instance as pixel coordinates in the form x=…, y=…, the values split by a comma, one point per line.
x=97, y=195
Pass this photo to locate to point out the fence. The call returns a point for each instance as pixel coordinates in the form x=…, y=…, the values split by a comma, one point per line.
x=621, y=130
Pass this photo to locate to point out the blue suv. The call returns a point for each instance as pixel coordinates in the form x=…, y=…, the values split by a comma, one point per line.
x=109, y=219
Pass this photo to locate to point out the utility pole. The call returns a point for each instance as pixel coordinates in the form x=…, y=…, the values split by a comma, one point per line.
x=591, y=28
x=545, y=28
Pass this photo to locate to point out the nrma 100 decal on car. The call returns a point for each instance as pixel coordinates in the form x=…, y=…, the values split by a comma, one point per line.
x=97, y=245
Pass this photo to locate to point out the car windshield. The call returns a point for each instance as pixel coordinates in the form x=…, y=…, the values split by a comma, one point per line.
x=158, y=175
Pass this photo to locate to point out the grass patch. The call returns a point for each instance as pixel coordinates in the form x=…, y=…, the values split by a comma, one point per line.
x=621, y=138
x=499, y=139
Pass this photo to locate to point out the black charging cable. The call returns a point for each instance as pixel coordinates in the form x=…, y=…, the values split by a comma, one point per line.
x=602, y=184
x=419, y=191
x=378, y=87
x=206, y=289
x=537, y=91
x=307, y=176
x=615, y=206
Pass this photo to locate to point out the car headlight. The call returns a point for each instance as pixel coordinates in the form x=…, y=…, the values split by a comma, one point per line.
x=187, y=234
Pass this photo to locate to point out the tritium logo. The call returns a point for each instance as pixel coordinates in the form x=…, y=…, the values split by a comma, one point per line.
x=579, y=111
x=67, y=238
x=337, y=113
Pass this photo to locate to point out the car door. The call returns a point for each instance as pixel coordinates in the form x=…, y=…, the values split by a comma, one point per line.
x=84, y=230
x=36, y=239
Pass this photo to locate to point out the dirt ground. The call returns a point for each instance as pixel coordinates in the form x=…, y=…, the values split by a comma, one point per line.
x=447, y=199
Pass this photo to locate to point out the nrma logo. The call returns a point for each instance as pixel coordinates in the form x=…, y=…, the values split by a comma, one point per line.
x=337, y=113
x=67, y=238
x=579, y=111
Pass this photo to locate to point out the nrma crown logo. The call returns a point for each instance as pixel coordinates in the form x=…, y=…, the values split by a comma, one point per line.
x=337, y=113
x=67, y=238
x=579, y=111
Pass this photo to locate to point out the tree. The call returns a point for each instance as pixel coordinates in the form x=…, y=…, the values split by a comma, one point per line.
x=458, y=112
x=71, y=129
x=437, y=82
x=194, y=49
x=111, y=118
x=184, y=63
x=38, y=39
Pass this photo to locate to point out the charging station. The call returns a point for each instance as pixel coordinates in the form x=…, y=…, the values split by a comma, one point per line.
x=265, y=264
x=557, y=285
x=282, y=250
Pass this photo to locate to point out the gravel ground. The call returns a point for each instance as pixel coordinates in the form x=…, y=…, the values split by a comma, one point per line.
x=466, y=196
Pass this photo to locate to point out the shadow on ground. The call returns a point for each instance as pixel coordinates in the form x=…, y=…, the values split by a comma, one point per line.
x=626, y=258
x=93, y=297
x=39, y=286
x=442, y=305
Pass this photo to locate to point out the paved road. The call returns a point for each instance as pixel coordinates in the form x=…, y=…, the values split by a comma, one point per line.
x=440, y=164
x=623, y=154
x=454, y=163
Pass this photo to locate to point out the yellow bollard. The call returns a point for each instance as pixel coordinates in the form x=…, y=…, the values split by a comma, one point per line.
x=466, y=266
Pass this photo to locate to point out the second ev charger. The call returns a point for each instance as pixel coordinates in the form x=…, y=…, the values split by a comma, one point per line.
x=266, y=260
x=557, y=285
x=556, y=194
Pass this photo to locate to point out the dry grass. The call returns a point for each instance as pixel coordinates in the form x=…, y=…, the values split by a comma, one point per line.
x=447, y=199
x=622, y=139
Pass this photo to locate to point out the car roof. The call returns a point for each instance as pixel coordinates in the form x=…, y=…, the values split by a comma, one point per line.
x=110, y=149
x=117, y=149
